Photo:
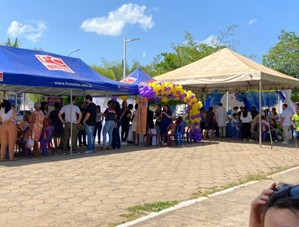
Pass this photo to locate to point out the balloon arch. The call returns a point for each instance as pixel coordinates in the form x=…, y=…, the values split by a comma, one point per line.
x=165, y=90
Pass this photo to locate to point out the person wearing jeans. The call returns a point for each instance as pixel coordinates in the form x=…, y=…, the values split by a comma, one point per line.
x=89, y=123
x=90, y=138
x=110, y=117
x=108, y=128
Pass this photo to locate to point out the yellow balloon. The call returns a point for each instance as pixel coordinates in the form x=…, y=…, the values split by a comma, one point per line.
x=124, y=97
x=164, y=99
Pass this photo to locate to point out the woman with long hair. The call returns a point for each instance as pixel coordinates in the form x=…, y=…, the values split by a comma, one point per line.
x=110, y=118
x=8, y=130
x=125, y=117
x=36, y=126
x=166, y=119
x=246, y=119
x=116, y=142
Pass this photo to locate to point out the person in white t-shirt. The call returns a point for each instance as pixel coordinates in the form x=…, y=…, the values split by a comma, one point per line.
x=246, y=119
x=221, y=119
x=72, y=115
x=285, y=122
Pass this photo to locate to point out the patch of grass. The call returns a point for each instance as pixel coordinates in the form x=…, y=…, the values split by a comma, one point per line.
x=153, y=207
x=141, y=210
x=199, y=193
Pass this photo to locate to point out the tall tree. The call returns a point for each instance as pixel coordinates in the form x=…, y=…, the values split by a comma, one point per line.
x=104, y=71
x=190, y=51
x=284, y=57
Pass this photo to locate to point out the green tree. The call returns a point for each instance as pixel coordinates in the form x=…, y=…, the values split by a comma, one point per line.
x=10, y=44
x=115, y=67
x=190, y=51
x=104, y=71
x=284, y=57
x=36, y=97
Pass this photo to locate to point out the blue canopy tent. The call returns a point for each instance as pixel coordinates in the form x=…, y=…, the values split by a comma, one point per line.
x=137, y=77
x=34, y=71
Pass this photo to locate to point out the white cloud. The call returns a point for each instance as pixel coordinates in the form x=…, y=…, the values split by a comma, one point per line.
x=144, y=54
x=32, y=32
x=212, y=40
x=252, y=21
x=116, y=21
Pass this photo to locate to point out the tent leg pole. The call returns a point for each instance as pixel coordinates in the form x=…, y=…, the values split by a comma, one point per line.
x=260, y=113
x=227, y=107
x=71, y=130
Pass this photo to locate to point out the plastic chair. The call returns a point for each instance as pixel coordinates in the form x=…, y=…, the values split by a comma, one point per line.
x=180, y=133
x=21, y=142
x=46, y=139
x=151, y=137
x=170, y=132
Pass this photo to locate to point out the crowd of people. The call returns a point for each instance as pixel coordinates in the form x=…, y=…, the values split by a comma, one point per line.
x=245, y=123
x=82, y=125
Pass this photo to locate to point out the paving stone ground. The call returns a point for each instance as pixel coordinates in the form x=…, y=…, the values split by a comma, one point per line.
x=94, y=190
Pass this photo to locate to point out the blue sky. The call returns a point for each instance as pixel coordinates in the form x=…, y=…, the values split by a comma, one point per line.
x=99, y=27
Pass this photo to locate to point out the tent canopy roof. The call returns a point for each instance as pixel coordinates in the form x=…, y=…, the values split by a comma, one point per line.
x=137, y=77
x=34, y=71
x=227, y=70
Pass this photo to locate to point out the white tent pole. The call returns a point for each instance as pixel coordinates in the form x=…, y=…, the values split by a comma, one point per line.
x=227, y=102
x=24, y=100
x=71, y=128
x=260, y=113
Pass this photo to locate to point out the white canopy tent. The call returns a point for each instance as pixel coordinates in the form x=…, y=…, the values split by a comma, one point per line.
x=226, y=70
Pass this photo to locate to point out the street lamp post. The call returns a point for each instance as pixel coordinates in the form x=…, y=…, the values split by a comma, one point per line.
x=73, y=51
x=125, y=53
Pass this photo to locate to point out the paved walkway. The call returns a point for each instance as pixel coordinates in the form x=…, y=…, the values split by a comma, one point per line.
x=228, y=208
x=94, y=190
